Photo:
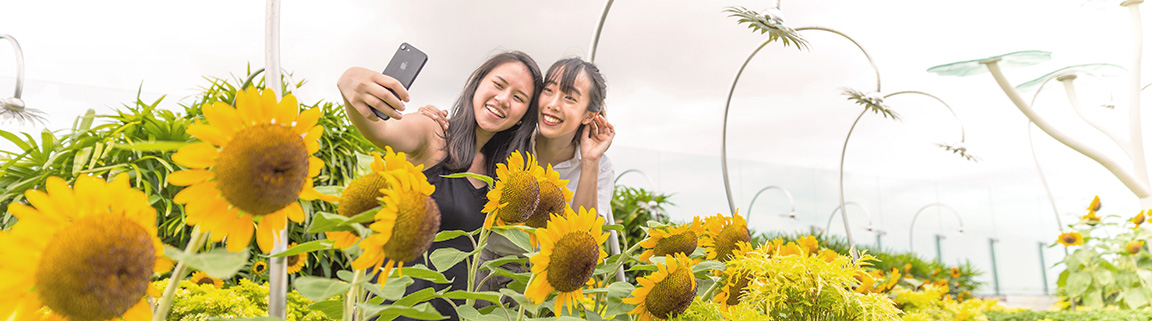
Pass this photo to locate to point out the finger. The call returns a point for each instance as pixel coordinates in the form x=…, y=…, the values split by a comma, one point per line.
x=384, y=95
x=381, y=106
x=365, y=110
x=392, y=83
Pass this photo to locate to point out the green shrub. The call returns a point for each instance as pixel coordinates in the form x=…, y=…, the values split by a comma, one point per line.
x=1098, y=315
x=245, y=300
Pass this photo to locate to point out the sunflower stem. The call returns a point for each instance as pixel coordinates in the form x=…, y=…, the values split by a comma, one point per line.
x=708, y=294
x=350, y=299
x=474, y=262
x=621, y=259
x=165, y=304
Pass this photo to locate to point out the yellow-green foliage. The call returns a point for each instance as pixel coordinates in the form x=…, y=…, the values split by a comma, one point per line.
x=706, y=310
x=930, y=304
x=806, y=287
x=245, y=300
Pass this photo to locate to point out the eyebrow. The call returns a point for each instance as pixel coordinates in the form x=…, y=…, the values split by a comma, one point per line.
x=506, y=82
x=572, y=89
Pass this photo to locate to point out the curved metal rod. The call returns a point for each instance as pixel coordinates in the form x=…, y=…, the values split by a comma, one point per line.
x=1043, y=179
x=19, y=64
x=791, y=201
x=724, y=129
x=871, y=227
x=950, y=110
x=921, y=211
x=866, y=55
x=599, y=28
x=1076, y=105
x=637, y=171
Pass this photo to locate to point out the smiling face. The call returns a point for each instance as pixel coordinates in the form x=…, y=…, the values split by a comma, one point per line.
x=562, y=112
x=502, y=97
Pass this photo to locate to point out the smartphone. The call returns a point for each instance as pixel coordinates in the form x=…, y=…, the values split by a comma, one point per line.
x=405, y=65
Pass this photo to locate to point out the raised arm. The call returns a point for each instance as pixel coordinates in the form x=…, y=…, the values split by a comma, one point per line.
x=594, y=141
x=363, y=89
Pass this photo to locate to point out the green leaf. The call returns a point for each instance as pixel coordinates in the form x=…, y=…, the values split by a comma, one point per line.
x=503, y=260
x=1135, y=297
x=1146, y=276
x=424, y=294
x=333, y=309
x=615, y=227
x=328, y=222
x=423, y=273
x=644, y=267
x=313, y=246
x=708, y=266
x=448, y=235
x=520, y=299
x=486, y=179
x=493, y=297
x=152, y=146
x=1103, y=277
x=445, y=258
x=247, y=319
x=319, y=289
x=218, y=263
x=388, y=312
x=392, y=290
x=363, y=217
x=517, y=236
x=617, y=292
x=470, y=313
x=1078, y=282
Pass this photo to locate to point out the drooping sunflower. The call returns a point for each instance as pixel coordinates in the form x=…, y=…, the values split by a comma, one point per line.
x=259, y=267
x=85, y=252
x=666, y=293
x=570, y=249
x=251, y=167
x=809, y=243
x=737, y=279
x=680, y=239
x=1134, y=247
x=516, y=193
x=201, y=278
x=405, y=225
x=295, y=262
x=955, y=273
x=1071, y=239
x=722, y=233
x=554, y=197
x=1137, y=220
x=1092, y=208
x=363, y=193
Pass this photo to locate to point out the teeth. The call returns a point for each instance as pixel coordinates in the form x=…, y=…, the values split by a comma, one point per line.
x=550, y=119
x=495, y=111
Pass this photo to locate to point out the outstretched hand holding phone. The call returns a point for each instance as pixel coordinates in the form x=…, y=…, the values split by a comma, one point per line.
x=369, y=92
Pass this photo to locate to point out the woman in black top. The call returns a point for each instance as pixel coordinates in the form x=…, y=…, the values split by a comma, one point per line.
x=495, y=115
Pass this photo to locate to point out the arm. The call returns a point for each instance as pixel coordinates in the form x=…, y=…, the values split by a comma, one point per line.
x=362, y=89
x=594, y=141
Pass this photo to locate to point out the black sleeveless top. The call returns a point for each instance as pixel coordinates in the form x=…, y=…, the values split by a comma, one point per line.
x=460, y=205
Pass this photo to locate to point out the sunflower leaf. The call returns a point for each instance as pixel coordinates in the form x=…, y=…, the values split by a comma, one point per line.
x=218, y=263
x=423, y=273
x=393, y=289
x=617, y=292
x=313, y=246
x=328, y=222
x=388, y=312
x=489, y=296
x=319, y=289
x=517, y=236
x=448, y=235
x=486, y=179
x=521, y=299
x=160, y=146
x=706, y=267
x=1078, y=282
x=363, y=217
x=333, y=309
x=489, y=265
x=470, y=313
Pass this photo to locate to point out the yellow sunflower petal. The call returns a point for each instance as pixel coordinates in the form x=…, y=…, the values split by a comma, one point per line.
x=189, y=177
x=311, y=139
x=294, y=212
x=240, y=235
x=285, y=111
x=196, y=156
x=265, y=235
x=306, y=121
x=211, y=134
x=315, y=164
x=139, y=312
x=222, y=116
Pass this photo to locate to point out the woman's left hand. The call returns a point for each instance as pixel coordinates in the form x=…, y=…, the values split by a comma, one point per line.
x=596, y=138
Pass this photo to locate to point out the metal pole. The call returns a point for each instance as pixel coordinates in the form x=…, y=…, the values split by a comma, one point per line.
x=939, y=254
x=1043, y=268
x=277, y=270
x=879, y=245
x=995, y=272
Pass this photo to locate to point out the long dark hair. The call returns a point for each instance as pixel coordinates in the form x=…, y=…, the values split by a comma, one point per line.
x=564, y=72
x=461, y=133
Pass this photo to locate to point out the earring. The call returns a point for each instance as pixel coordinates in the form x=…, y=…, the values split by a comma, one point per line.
x=520, y=122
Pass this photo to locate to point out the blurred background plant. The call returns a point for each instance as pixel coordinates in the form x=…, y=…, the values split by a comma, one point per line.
x=1111, y=268
x=633, y=207
x=245, y=299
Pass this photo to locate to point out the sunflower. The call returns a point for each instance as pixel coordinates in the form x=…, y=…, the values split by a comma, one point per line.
x=85, y=252
x=955, y=273
x=679, y=239
x=1092, y=208
x=1138, y=219
x=295, y=262
x=722, y=233
x=829, y=255
x=200, y=278
x=893, y=279
x=908, y=268
x=405, y=225
x=790, y=249
x=867, y=281
x=1134, y=247
x=252, y=165
x=666, y=293
x=554, y=197
x=259, y=267
x=1071, y=239
x=517, y=192
x=570, y=249
x=809, y=243
x=363, y=193
x=731, y=293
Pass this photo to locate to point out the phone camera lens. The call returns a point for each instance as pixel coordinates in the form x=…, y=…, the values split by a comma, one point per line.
x=403, y=47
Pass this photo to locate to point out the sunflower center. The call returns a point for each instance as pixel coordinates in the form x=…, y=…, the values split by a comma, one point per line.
x=96, y=268
x=262, y=169
x=1134, y=247
x=361, y=195
x=522, y=193
x=551, y=202
x=205, y=280
x=417, y=220
x=727, y=240
x=679, y=243
x=292, y=260
x=736, y=291
x=260, y=267
x=1069, y=239
x=672, y=296
x=572, y=261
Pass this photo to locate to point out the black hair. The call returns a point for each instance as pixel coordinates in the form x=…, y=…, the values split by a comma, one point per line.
x=564, y=72
x=460, y=137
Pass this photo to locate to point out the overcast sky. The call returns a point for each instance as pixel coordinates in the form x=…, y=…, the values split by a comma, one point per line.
x=669, y=65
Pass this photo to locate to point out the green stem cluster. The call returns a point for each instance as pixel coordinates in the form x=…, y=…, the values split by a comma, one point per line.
x=352, y=297
x=178, y=274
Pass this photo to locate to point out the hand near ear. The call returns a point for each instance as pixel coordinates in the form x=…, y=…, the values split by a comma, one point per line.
x=596, y=138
